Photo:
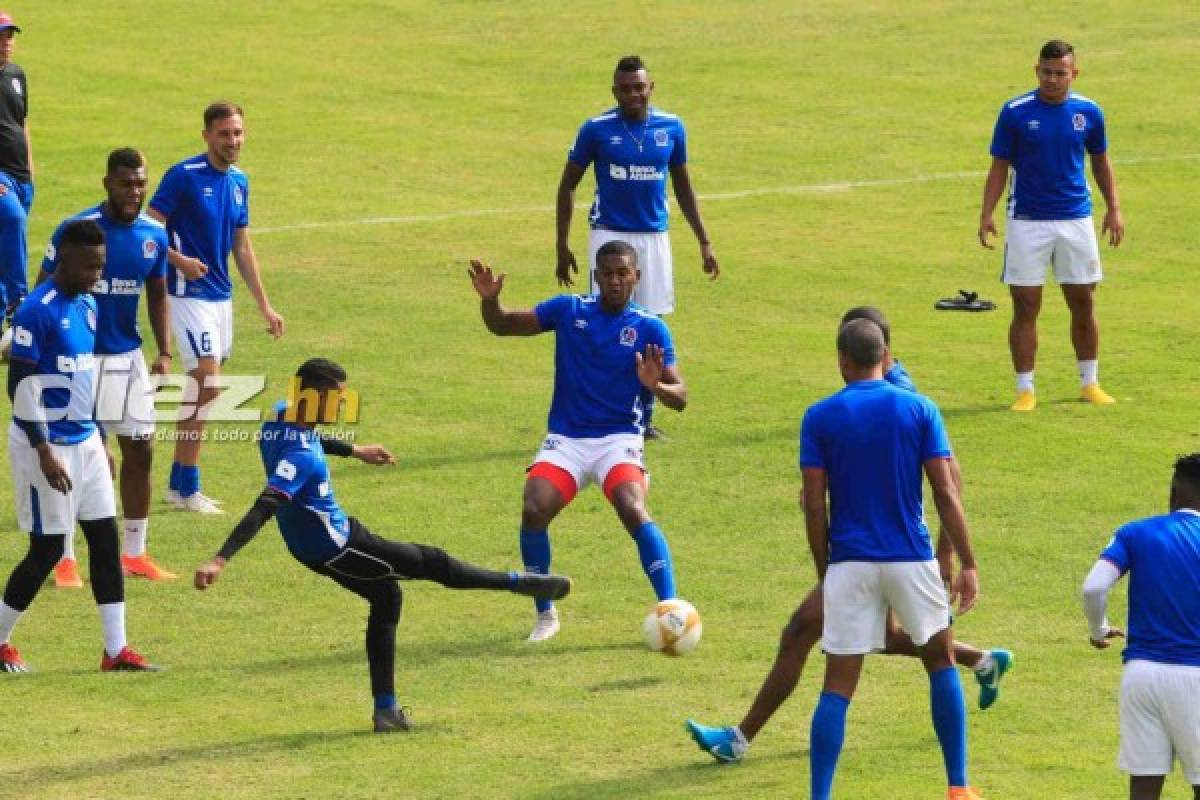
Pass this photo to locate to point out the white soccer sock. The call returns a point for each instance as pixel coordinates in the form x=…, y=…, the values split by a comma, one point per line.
x=112, y=620
x=69, y=546
x=1089, y=372
x=135, y=536
x=1025, y=381
x=8, y=621
x=985, y=663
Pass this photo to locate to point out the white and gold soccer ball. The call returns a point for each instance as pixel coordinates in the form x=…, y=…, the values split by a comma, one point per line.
x=673, y=627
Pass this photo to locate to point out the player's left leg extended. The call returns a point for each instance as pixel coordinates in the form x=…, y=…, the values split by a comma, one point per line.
x=625, y=488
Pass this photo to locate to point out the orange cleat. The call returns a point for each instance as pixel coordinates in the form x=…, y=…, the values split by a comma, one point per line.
x=66, y=574
x=128, y=660
x=143, y=566
x=10, y=659
x=962, y=793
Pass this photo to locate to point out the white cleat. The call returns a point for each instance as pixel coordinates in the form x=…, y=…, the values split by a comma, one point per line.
x=197, y=503
x=547, y=625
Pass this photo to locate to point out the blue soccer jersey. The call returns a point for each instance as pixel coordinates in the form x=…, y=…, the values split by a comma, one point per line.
x=133, y=254
x=632, y=160
x=872, y=438
x=596, y=388
x=203, y=207
x=1162, y=556
x=1045, y=143
x=56, y=335
x=313, y=525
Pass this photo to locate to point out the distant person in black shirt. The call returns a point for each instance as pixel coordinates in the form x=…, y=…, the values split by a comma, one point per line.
x=16, y=171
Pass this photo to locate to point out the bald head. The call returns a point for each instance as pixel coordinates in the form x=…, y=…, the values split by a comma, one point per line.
x=862, y=342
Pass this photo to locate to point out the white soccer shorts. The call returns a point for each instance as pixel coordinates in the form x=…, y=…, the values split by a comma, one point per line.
x=203, y=329
x=590, y=460
x=1069, y=245
x=656, y=288
x=124, y=394
x=1160, y=719
x=44, y=510
x=858, y=594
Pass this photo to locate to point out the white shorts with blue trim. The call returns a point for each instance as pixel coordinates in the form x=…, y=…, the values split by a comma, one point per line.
x=858, y=594
x=203, y=329
x=1160, y=719
x=656, y=288
x=1069, y=245
x=47, y=511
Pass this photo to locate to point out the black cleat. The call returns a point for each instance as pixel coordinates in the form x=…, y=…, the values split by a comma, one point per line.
x=390, y=721
x=542, y=587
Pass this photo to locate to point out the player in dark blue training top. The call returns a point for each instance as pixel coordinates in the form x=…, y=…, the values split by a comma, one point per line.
x=323, y=538
x=205, y=203
x=611, y=356
x=1042, y=137
x=60, y=472
x=135, y=261
x=1160, y=689
x=16, y=172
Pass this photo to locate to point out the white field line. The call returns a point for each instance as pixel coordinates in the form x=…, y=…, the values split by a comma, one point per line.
x=804, y=188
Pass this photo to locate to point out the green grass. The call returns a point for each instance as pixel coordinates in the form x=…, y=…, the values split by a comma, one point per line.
x=403, y=109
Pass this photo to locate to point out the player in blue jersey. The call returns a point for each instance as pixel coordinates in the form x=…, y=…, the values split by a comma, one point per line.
x=1160, y=688
x=204, y=201
x=862, y=454
x=323, y=538
x=1041, y=137
x=59, y=466
x=632, y=148
x=611, y=356
x=135, y=260
x=803, y=631
x=16, y=171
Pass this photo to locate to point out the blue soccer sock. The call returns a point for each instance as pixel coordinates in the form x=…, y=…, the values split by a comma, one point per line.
x=535, y=554
x=825, y=742
x=189, y=480
x=656, y=559
x=173, y=483
x=385, y=702
x=950, y=722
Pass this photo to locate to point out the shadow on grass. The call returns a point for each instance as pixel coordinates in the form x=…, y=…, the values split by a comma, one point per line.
x=43, y=777
x=625, y=685
x=414, y=463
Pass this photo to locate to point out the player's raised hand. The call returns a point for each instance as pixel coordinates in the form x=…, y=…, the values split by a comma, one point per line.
x=52, y=468
x=206, y=575
x=375, y=454
x=486, y=283
x=987, y=226
x=711, y=267
x=1109, y=635
x=274, y=322
x=566, y=265
x=965, y=590
x=1114, y=226
x=650, y=367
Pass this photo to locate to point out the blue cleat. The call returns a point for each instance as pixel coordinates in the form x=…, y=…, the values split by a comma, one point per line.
x=989, y=680
x=723, y=744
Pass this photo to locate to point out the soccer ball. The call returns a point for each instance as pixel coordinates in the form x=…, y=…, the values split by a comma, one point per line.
x=673, y=627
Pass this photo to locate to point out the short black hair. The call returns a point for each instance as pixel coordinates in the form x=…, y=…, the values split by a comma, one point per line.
x=1056, y=48
x=125, y=157
x=1187, y=471
x=320, y=373
x=630, y=64
x=616, y=247
x=872, y=313
x=862, y=342
x=222, y=109
x=80, y=233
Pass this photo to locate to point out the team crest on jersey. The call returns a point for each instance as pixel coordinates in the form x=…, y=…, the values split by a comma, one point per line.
x=1079, y=121
x=149, y=248
x=629, y=336
x=16, y=86
x=661, y=138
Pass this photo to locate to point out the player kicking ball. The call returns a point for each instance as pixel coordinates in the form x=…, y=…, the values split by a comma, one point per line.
x=321, y=537
x=611, y=358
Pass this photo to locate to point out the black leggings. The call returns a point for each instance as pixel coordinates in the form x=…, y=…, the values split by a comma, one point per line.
x=370, y=565
x=104, y=565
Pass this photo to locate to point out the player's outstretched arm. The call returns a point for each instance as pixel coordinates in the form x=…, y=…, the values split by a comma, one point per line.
x=1106, y=182
x=666, y=382
x=993, y=188
x=681, y=180
x=564, y=208
x=940, y=474
x=816, y=517
x=259, y=514
x=498, y=319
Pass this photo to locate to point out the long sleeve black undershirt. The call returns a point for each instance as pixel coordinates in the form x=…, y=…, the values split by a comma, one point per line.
x=259, y=514
x=335, y=447
x=34, y=430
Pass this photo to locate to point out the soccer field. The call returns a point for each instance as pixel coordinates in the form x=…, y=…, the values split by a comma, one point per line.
x=839, y=151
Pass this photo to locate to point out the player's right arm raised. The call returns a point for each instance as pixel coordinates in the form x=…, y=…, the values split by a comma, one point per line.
x=498, y=319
